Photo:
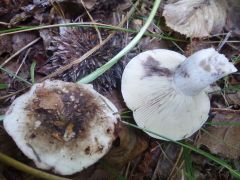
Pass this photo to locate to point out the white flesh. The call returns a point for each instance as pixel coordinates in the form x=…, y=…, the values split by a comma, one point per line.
x=157, y=104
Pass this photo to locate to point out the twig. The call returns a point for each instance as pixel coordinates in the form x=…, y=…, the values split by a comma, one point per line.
x=98, y=32
x=180, y=168
x=225, y=110
x=19, y=51
x=24, y=58
x=14, y=93
x=154, y=176
x=224, y=41
x=175, y=165
x=4, y=23
x=14, y=75
x=127, y=170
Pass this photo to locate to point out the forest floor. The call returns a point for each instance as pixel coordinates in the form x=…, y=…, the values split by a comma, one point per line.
x=34, y=47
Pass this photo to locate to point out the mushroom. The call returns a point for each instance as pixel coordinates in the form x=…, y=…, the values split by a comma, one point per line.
x=167, y=92
x=198, y=18
x=61, y=126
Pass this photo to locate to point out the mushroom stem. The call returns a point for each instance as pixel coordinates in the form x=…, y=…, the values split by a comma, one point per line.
x=200, y=70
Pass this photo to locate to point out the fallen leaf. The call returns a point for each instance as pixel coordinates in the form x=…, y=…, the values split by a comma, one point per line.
x=158, y=161
x=223, y=136
x=131, y=144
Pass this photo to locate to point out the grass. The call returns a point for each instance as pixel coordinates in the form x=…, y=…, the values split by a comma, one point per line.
x=189, y=171
x=32, y=71
x=223, y=123
x=10, y=73
x=22, y=167
x=1, y=117
x=235, y=59
x=87, y=25
x=3, y=86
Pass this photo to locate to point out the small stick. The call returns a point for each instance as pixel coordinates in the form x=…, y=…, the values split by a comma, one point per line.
x=25, y=57
x=225, y=110
x=224, y=41
x=98, y=32
x=19, y=51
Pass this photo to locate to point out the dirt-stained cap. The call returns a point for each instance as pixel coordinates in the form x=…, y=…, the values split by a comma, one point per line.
x=61, y=126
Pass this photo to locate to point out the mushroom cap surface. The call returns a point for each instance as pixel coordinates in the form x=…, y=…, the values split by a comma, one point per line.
x=198, y=18
x=157, y=105
x=62, y=126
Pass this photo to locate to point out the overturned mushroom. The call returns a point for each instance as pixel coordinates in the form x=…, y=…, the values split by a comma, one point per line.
x=198, y=18
x=62, y=126
x=167, y=91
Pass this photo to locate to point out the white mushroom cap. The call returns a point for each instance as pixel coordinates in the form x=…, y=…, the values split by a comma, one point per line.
x=198, y=18
x=165, y=91
x=62, y=126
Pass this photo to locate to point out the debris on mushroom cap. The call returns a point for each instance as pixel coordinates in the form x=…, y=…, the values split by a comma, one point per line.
x=62, y=126
x=199, y=18
x=165, y=90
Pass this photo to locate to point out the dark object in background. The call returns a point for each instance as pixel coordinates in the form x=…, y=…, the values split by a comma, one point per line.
x=73, y=42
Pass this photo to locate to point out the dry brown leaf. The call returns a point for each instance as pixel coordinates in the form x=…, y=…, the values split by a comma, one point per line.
x=131, y=144
x=223, y=139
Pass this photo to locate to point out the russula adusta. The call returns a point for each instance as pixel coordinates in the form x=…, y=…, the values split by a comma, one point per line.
x=199, y=18
x=61, y=126
x=167, y=91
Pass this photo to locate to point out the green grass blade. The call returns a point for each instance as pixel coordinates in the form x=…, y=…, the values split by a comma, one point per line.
x=92, y=76
x=189, y=171
x=224, y=123
x=3, y=86
x=10, y=73
x=32, y=71
x=234, y=172
x=89, y=25
x=27, y=169
x=1, y=117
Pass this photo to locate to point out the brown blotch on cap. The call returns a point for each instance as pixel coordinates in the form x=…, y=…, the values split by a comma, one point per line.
x=152, y=68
